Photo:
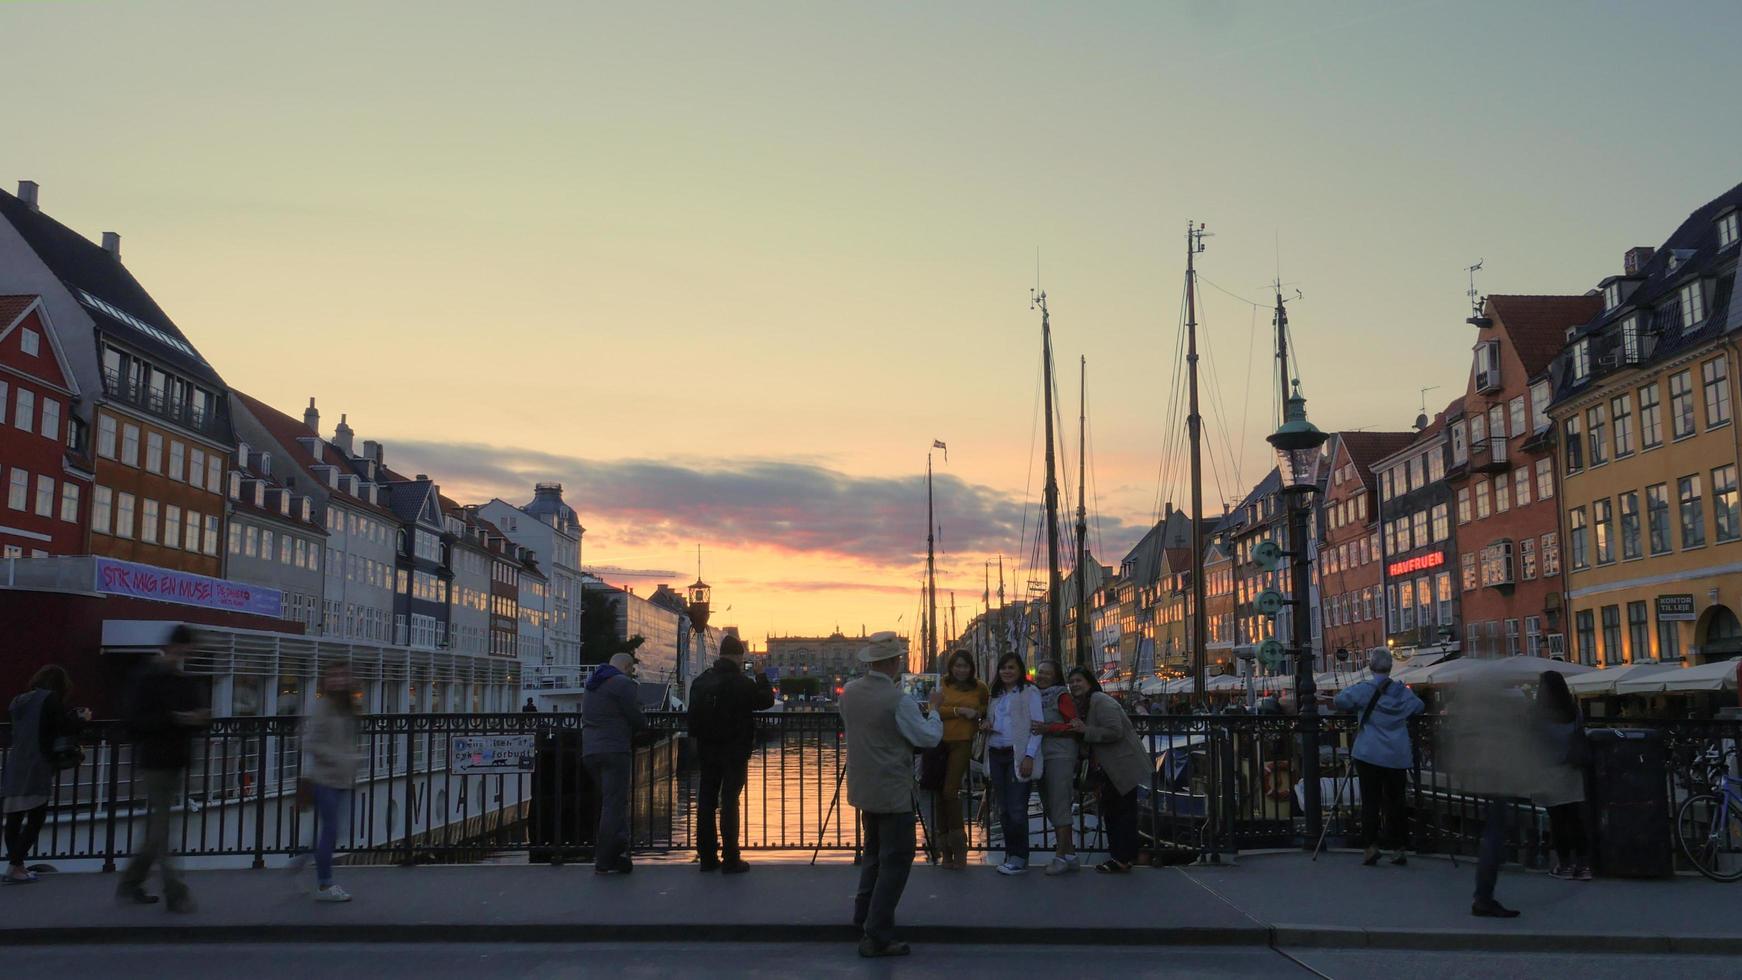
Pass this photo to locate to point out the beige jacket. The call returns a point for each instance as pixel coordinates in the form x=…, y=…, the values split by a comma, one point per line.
x=1115, y=745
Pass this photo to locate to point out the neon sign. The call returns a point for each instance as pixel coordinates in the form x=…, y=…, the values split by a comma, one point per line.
x=1416, y=564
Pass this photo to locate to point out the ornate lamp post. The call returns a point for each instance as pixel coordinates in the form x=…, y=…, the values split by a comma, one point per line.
x=1297, y=443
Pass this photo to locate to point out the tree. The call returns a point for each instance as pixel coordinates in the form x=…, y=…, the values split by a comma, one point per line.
x=599, y=639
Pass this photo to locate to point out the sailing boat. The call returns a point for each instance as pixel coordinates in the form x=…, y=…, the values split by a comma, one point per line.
x=1054, y=591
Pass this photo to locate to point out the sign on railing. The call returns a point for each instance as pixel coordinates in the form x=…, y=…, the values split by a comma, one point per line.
x=469, y=754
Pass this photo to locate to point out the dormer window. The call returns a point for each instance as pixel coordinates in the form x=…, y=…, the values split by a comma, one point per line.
x=1728, y=229
x=260, y=493
x=1611, y=296
x=1488, y=366
x=1693, y=304
x=1630, y=340
x=1582, y=360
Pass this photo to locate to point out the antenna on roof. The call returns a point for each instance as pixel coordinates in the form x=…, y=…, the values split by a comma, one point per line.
x=1475, y=296
x=1421, y=420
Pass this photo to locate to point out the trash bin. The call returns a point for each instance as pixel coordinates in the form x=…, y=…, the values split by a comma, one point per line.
x=1629, y=803
x=564, y=805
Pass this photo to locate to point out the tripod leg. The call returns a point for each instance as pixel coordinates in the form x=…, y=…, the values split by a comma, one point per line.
x=1336, y=802
x=833, y=804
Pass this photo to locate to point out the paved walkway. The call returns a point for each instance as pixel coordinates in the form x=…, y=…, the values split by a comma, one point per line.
x=1277, y=900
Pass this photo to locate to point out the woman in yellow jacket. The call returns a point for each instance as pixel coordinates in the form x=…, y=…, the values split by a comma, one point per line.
x=961, y=701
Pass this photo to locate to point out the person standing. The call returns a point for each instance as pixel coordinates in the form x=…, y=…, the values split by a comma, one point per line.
x=530, y=707
x=1121, y=761
x=1383, y=755
x=329, y=739
x=1058, y=751
x=961, y=702
x=722, y=719
x=611, y=720
x=884, y=728
x=1013, y=755
x=40, y=721
x=1561, y=729
x=163, y=712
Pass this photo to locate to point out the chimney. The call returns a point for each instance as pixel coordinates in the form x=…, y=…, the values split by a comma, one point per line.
x=311, y=417
x=112, y=244
x=1635, y=258
x=342, y=436
x=372, y=450
x=27, y=194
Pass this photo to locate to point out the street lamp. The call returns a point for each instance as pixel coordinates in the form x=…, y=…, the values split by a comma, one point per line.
x=1297, y=443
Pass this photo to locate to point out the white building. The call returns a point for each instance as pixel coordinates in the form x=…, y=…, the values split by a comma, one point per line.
x=550, y=530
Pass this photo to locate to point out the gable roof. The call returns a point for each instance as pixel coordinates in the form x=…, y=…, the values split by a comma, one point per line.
x=1538, y=325
x=1367, y=448
x=288, y=433
x=107, y=291
x=14, y=311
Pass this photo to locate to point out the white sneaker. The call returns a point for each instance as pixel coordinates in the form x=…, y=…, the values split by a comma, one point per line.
x=1063, y=865
x=1012, y=868
x=332, y=893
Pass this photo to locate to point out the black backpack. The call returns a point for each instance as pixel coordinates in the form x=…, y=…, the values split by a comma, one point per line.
x=710, y=721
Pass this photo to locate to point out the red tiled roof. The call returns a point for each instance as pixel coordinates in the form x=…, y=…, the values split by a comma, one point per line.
x=1538, y=324
x=288, y=431
x=1365, y=448
x=11, y=307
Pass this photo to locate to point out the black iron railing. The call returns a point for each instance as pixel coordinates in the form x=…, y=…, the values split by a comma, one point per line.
x=457, y=787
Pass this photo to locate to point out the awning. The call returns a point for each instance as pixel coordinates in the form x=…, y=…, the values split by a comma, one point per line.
x=1504, y=671
x=1718, y=676
x=1605, y=681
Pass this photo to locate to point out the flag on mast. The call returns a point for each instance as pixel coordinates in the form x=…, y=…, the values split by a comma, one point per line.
x=939, y=444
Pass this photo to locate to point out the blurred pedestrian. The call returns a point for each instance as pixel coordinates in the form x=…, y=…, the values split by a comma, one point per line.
x=530, y=707
x=1013, y=755
x=722, y=719
x=1562, y=730
x=44, y=741
x=1383, y=756
x=611, y=721
x=961, y=701
x=1489, y=747
x=329, y=742
x=1121, y=765
x=1059, y=749
x=163, y=713
x=884, y=728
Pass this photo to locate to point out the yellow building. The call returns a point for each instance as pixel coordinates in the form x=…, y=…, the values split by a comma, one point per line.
x=1648, y=453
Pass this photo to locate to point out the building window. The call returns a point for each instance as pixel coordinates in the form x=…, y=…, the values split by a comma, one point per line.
x=1473, y=640
x=1657, y=517
x=1597, y=424
x=1612, y=635
x=1621, y=409
x=1727, y=230
x=1442, y=522
x=1540, y=396
x=123, y=515
x=1715, y=376
x=102, y=502
x=1533, y=636
x=1681, y=404
x=1463, y=505
x=1544, y=479
x=1502, y=495
x=1484, y=507
x=1574, y=444
x=266, y=544
x=1638, y=633
x=26, y=415
x=1629, y=503
x=130, y=444
x=1725, y=523
x=1521, y=485
x=153, y=452
x=106, y=434
x=1460, y=447
x=1497, y=564
x=1650, y=417
x=1515, y=410
x=211, y=535
x=44, y=495
x=1418, y=523
x=215, y=473
x=171, y=526
x=50, y=419
x=197, y=469
x=1693, y=304
x=1577, y=538
x=1436, y=465
x=1551, y=554
x=1587, y=637
x=176, y=451
x=69, y=502
x=148, y=521
x=1512, y=638
x=1443, y=587
x=1581, y=360
x=1467, y=569
x=1693, y=515
x=247, y=538
x=1603, y=524
x=1527, y=559
x=191, y=531
x=1669, y=641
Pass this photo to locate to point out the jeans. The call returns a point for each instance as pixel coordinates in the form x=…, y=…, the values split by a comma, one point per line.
x=724, y=770
x=22, y=828
x=328, y=800
x=1566, y=824
x=1491, y=853
x=1119, y=815
x=1012, y=794
x=888, y=859
x=1383, y=793
x=610, y=772
x=950, y=797
x=161, y=789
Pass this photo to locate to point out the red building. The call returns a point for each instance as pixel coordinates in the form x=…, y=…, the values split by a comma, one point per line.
x=1351, y=582
x=1503, y=473
x=46, y=482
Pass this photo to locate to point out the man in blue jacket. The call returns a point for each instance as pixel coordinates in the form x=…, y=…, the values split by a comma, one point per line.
x=610, y=721
x=1383, y=754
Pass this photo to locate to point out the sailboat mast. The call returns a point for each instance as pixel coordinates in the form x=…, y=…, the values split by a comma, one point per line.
x=1054, y=591
x=1195, y=423
x=1082, y=659
x=931, y=576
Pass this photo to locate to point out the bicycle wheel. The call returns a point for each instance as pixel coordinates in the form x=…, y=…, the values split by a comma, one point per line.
x=1710, y=836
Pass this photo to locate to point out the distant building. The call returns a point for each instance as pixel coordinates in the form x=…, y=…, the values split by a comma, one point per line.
x=46, y=479
x=275, y=539
x=1421, y=559
x=549, y=529
x=834, y=658
x=1351, y=561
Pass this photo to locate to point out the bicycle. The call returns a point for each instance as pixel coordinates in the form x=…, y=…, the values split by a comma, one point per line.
x=1709, y=825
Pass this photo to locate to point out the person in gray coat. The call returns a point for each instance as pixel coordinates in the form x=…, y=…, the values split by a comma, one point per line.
x=611, y=720
x=40, y=719
x=1383, y=755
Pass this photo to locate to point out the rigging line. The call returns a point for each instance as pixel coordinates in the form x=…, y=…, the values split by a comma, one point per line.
x=1246, y=399
x=1218, y=402
x=1174, y=432
x=1232, y=295
x=1033, y=438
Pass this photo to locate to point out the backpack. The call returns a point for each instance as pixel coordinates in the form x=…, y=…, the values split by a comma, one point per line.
x=710, y=721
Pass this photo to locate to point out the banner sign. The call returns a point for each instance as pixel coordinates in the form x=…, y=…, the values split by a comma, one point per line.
x=150, y=582
x=1675, y=608
x=473, y=754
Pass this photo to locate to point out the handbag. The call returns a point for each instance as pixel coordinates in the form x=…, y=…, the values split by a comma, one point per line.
x=934, y=762
x=65, y=753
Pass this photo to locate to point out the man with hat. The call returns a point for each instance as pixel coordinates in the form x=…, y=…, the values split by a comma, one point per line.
x=884, y=729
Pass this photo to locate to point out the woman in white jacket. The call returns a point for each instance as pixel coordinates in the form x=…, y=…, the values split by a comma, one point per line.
x=1013, y=755
x=330, y=761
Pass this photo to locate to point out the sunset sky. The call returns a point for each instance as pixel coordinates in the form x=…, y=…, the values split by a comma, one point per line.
x=727, y=269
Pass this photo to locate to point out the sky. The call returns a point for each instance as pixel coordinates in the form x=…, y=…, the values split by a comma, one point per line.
x=726, y=270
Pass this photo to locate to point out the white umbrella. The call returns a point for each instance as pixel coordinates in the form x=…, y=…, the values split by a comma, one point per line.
x=1706, y=677
x=1153, y=685
x=1504, y=671
x=1606, y=681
